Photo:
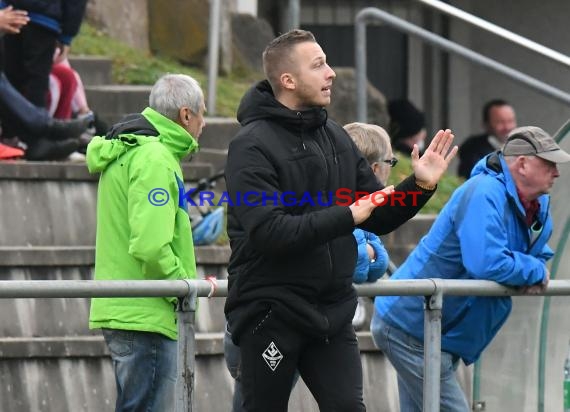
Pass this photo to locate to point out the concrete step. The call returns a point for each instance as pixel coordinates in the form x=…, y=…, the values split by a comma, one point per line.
x=94, y=70
x=54, y=203
x=93, y=346
x=216, y=157
x=79, y=256
x=218, y=132
x=67, y=172
x=112, y=102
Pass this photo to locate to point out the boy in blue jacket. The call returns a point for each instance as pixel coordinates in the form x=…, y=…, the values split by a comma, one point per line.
x=372, y=261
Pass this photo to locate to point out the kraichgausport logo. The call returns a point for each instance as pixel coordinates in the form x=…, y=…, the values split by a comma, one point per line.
x=340, y=197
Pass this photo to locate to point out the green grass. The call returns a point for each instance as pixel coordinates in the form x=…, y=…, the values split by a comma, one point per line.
x=132, y=66
x=445, y=187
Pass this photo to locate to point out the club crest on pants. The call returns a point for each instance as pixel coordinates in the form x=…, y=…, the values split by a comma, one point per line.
x=272, y=356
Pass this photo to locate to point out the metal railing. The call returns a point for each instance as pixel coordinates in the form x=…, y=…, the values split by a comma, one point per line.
x=369, y=14
x=188, y=291
x=498, y=30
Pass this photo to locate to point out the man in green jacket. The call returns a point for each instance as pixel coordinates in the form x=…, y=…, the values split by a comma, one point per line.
x=143, y=232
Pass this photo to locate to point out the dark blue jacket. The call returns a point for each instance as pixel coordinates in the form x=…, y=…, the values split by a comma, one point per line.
x=481, y=233
x=61, y=16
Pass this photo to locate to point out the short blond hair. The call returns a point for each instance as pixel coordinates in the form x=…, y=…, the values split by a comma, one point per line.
x=372, y=140
x=277, y=57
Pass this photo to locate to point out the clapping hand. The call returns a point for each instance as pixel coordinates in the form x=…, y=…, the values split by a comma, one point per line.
x=429, y=168
x=364, y=206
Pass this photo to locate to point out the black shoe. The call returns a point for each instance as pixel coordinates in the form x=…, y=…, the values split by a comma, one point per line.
x=44, y=149
x=64, y=129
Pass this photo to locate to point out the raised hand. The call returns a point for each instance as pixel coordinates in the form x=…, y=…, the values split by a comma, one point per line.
x=11, y=21
x=432, y=165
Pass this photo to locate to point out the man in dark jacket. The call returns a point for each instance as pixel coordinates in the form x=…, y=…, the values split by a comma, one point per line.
x=292, y=176
x=30, y=53
x=498, y=119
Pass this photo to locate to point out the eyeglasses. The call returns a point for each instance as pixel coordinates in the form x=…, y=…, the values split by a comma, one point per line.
x=392, y=162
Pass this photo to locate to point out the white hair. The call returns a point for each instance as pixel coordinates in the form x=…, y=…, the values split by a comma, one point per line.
x=172, y=92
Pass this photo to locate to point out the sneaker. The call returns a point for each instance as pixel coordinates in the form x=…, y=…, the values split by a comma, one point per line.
x=44, y=149
x=65, y=129
x=76, y=157
x=10, y=153
x=359, y=315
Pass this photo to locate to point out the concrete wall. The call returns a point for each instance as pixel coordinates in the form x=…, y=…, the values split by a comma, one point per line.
x=123, y=20
x=470, y=87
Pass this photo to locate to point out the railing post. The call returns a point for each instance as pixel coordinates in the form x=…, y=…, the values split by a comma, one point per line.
x=186, y=363
x=293, y=13
x=213, y=54
x=432, y=351
x=360, y=69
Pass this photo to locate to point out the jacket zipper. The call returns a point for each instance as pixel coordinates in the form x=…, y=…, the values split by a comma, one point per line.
x=330, y=259
x=322, y=153
x=533, y=241
x=522, y=217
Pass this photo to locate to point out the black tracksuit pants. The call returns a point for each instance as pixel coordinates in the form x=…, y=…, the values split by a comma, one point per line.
x=272, y=351
x=28, y=60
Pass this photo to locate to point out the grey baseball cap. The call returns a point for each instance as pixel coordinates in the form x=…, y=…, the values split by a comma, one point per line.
x=533, y=141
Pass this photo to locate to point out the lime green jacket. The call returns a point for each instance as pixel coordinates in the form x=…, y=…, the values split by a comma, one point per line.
x=143, y=227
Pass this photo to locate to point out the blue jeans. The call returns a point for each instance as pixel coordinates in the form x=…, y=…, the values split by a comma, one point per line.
x=145, y=370
x=407, y=356
x=233, y=362
x=18, y=114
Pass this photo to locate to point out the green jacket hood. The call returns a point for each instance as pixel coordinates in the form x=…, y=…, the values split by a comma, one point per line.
x=136, y=130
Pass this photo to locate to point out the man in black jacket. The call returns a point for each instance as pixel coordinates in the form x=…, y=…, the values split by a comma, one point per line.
x=292, y=177
x=30, y=53
x=499, y=120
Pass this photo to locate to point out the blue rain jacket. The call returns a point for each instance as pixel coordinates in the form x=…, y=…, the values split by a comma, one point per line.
x=480, y=234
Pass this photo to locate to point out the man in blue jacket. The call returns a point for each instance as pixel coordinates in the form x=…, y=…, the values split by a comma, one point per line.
x=494, y=227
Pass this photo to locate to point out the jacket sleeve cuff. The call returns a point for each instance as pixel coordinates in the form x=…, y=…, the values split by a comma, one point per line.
x=63, y=39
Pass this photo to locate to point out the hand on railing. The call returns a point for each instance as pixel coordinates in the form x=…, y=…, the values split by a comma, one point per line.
x=540, y=288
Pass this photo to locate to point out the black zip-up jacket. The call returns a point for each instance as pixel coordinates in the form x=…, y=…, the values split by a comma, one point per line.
x=295, y=259
x=62, y=16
